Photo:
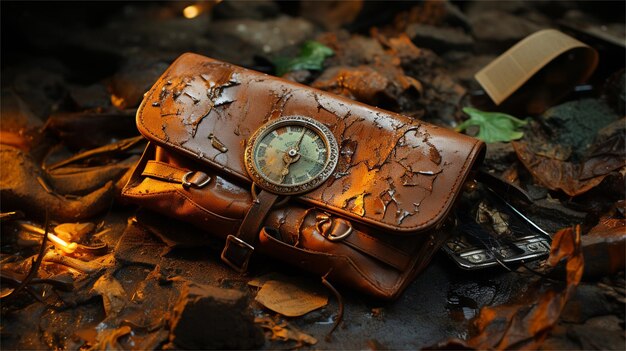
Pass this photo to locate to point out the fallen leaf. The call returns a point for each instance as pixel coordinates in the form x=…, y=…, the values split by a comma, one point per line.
x=311, y=57
x=531, y=328
x=510, y=175
x=608, y=228
x=599, y=333
x=260, y=281
x=291, y=298
x=4, y=292
x=607, y=154
x=113, y=294
x=362, y=83
x=281, y=330
x=555, y=174
x=549, y=165
x=603, y=248
x=494, y=126
x=89, y=335
x=108, y=339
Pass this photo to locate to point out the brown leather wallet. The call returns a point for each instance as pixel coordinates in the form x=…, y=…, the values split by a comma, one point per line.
x=340, y=188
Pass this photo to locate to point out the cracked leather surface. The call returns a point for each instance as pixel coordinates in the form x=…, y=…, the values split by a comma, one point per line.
x=393, y=172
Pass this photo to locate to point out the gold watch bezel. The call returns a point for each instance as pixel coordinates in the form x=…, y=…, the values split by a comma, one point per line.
x=267, y=184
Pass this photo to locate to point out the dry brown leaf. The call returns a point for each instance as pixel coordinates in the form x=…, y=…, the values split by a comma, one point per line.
x=361, y=83
x=291, y=298
x=261, y=280
x=603, y=248
x=607, y=153
x=608, y=228
x=113, y=294
x=331, y=14
x=108, y=339
x=555, y=174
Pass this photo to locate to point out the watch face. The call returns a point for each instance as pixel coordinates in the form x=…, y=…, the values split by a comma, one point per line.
x=291, y=155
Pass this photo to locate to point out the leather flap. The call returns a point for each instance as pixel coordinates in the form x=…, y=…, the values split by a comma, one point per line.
x=394, y=172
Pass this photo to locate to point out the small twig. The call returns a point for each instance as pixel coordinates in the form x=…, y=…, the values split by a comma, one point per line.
x=11, y=216
x=120, y=146
x=85, y=267
x=9, y=278
x=36, y=263
x=339, y=300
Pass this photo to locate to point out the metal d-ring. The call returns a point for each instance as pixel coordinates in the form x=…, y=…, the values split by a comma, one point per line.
x=324, y=218
x=339, y=237
x=254, y=193
x=186, y=183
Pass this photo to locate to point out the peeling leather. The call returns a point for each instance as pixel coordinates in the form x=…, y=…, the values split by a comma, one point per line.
x=198, y=97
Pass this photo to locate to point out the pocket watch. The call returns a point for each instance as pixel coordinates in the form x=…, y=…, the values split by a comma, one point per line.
x=291, y=155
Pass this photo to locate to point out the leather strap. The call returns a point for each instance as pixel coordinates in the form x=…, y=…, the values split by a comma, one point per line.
x=239, y=248
x=340, y=230
x=167, y=172
x=379, y=249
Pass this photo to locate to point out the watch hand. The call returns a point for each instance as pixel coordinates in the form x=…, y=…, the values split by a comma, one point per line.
x=297, y=146
x=288, y=160
x=285, y=170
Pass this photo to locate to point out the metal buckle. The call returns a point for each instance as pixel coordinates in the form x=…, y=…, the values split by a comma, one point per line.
x=186, y=183
x=233, y=240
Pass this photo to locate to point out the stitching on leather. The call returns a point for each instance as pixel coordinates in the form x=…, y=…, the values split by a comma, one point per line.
x=167, y=165
x=160, y=176
x=313, y=201
x=186, y=198
x=202, y=208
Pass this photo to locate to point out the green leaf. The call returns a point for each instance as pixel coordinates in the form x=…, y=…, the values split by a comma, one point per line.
x=311, y=57
x=494, y=126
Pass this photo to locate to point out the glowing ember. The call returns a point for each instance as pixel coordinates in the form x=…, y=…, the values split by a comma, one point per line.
x=58, y=242
x=62, y=244
x=191, y=11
